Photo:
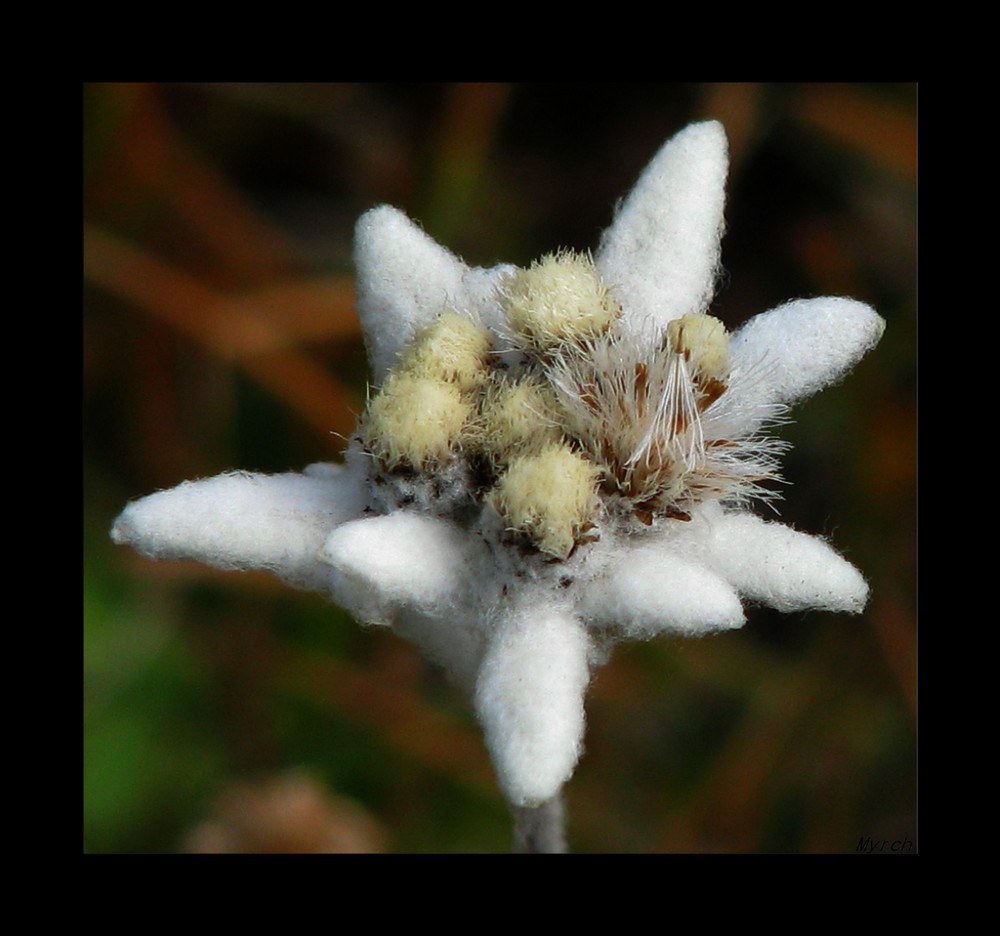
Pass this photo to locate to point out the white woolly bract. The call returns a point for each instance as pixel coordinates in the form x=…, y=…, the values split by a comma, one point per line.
x=529, y=699
x=661, y=253
x=241, y=520
x=654, y=590
x=405, y=280
x=384, y=565
x=780, y=567
x=802, y=346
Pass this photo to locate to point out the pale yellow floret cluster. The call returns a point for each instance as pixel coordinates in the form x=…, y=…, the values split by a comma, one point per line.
x=582, y=408
x=704, y=343
x=416, y=420
x=557, y=299
x=517, y=417
x=453, y=348
x=418, y=417
x=551, y=496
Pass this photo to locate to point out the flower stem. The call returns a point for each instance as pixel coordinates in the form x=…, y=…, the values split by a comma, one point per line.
x=540, y=830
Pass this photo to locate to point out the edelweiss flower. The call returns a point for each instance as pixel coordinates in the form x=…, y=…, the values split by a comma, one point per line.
x=555, y=458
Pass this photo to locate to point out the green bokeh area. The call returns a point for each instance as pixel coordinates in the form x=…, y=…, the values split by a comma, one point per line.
x=219, y=333
x=152, y=752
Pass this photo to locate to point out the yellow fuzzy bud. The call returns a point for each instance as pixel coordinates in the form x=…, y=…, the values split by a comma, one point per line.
x=549, y=496
x=515, y=418
x=452, y=348
x=557, y=299
x=704, y=342
x=416, y=420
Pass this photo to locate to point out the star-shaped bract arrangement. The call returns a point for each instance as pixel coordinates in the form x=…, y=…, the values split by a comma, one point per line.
x=553, y=459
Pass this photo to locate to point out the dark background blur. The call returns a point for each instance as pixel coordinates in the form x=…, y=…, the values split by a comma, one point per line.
x=226, y=712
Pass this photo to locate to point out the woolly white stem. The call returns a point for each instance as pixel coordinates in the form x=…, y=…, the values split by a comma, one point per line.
x=540, y=830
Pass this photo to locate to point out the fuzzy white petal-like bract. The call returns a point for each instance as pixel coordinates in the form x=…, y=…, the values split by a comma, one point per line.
x=661, y=254
x=802, y=346
x=529, y=698
x=781, y=567
x=480, y=289
x=405, y=280
x=656, y=590
x=240, y=520
x=385, y=564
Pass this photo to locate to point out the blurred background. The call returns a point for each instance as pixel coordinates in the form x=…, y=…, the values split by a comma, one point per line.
x=224, y=712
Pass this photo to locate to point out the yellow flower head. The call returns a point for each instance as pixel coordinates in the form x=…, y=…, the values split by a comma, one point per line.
x=559, y=298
